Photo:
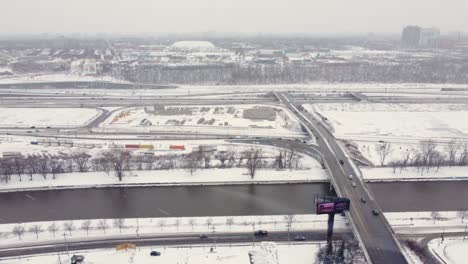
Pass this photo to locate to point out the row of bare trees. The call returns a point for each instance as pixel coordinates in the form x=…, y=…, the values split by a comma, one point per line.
x=428, y=154
x=120, y=161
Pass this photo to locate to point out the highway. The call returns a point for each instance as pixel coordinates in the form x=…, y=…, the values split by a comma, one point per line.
x=373, y=231
x=157, y=240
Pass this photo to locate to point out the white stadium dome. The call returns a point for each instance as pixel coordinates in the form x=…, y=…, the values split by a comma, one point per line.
x=193, y=46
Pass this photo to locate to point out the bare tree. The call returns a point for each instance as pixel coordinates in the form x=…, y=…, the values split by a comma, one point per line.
x=289, y=221
x=18, y=230
x=149, y=160
x=119, y=223
x=19, y=164
x=81, y=161
x=55, y=167
x=438, y=159
x=193, y=161
x=427, y=150
x=68, y=226
x=452, y=148
x=253, y=157
x=230, y=221
x=6, y=169
x=43, y=166
x=102, y=225
x=53, y=228
x=161, y=223
x=383, y=150
x=209, y=221
x=463, y=154
x=435, y=216
x=462, y=214
x=119, y=159
x=36, y=229
x=31, y=166
x=86, y=226
x=192, y=222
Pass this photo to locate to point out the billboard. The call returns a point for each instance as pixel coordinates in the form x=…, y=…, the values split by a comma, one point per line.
x=332, y=205
x=325, y=207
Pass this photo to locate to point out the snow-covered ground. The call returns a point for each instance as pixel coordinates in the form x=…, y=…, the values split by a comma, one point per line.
x=214, y=176
x=228, y=119
x=148, y=227
x=427, y=222
x=262, y=253
x=309, y=170
x=42, y=117
x=58, y=77
x=356, y=121
x=450, y=250
x=218, y=89
x=413, y=174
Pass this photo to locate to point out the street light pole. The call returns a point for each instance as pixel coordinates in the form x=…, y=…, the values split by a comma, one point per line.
x=66, y=243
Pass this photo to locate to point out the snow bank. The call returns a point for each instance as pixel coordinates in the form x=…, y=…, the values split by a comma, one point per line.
x=413, y=174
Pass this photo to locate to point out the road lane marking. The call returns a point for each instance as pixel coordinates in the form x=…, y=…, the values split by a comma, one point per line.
x=30, y=197
x=164, y=212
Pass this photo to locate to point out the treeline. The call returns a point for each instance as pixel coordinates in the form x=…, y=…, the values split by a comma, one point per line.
x=428, y=154
x=429, y=71
x=120, y=161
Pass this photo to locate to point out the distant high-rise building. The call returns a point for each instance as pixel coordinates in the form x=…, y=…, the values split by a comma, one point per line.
x=410, y=36
x=429, y=37
x=415, y=37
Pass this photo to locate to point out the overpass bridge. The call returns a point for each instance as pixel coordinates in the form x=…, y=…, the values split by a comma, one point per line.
x=375, y=234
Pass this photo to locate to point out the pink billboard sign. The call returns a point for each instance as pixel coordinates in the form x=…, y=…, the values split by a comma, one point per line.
x=325, y=208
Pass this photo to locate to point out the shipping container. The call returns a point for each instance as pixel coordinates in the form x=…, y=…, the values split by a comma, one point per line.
x=143, y=146
x=177, y=147
x=132, y=146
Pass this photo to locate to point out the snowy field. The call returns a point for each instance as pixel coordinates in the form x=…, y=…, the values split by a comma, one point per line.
x=407, y=121
x=229, y=119
x=261, y=253
x=450, y=250
x=42, y=117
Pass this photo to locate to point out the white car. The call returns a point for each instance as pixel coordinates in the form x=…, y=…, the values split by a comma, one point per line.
x=350, y=176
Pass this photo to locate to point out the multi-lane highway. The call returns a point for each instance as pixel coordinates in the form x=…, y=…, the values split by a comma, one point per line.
x=372, y=230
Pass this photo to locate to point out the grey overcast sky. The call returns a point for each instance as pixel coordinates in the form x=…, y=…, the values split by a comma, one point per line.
x=233, y=16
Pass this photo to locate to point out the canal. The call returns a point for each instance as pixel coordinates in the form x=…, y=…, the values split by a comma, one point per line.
x=216, y=200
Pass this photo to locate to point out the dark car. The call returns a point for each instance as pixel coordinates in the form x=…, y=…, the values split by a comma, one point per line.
x=203, y=236
x=261, y=233
x=155, y=253
x=375, y=212
x=77, y=259
x=299, y=238
x=341, y=162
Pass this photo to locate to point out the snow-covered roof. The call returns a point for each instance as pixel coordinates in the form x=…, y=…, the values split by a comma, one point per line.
x=193, y=46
